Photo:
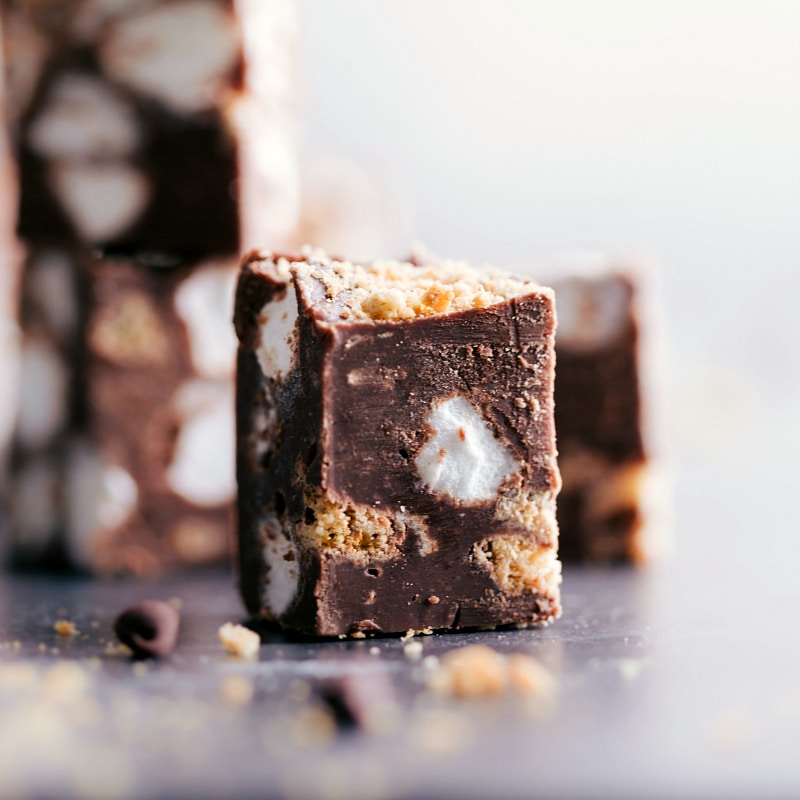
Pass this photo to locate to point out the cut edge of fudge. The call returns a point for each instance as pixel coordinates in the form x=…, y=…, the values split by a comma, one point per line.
x=312, y=519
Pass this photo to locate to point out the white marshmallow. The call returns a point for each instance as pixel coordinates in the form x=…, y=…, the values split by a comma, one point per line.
x=283, y=574
x=44, y=387
x=592, y=311
x=462, y=459
x=178, y=53
x=51, y=285
x=277, y=346
x=102, y=200
x=203, y=468
x=100, y=497
x=204, y=301
x=84, y=119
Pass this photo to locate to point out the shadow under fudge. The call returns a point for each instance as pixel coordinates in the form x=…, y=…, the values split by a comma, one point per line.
x=338, y=531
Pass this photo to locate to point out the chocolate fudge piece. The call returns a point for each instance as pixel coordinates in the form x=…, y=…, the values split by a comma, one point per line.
x=396, y=459
x=599, y=420
x=160, y=126
x=123, y=457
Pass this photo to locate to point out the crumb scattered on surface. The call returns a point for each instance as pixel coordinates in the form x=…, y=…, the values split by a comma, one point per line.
x=472, y=671
x=413, y=650
x=374, y=651
x=118, y=650
x=237, y=690
x=66, y=628
x=239, y=641
x=480, y=671
x=140, y=669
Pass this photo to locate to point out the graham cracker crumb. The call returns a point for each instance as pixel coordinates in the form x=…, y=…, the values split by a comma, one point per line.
x=413, y=650
x=237, y=690
x=63, y=627
x=480, y=671
x=393, y=290
x=239, y=641
x=471, y=671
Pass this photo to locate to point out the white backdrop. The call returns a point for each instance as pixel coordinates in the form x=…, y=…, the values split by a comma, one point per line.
x=513, y=130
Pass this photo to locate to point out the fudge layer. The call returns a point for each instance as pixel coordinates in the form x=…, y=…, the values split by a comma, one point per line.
x=396, y=458
x=606, y=472
x=122, y=458
x=160, y=126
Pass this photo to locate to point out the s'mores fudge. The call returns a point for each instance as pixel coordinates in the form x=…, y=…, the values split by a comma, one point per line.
x=161, y=126
x=153, y=139
x=607, y=508
x=123, y=456
x=396, y=457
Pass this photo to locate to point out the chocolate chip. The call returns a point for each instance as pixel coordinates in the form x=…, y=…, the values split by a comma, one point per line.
x=358, y=701
x=149, y=628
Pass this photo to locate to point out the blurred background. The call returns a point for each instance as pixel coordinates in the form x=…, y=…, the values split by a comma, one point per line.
x=515, y=132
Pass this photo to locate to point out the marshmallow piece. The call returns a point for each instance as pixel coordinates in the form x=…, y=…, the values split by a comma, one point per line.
x=202, y=469
x=51, y=287
x=84, y=119
x=204, y=301
x=592, y=312
x=281, y=561
x=102, y=200
x=463, y=459
x=101, y=496
x=276, y=351
x=179, y=53
x=44, y=389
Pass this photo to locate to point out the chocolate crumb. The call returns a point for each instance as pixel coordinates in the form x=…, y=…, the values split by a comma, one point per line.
x=149, y=628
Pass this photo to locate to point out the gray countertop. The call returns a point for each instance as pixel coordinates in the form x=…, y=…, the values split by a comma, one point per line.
x=661, y=692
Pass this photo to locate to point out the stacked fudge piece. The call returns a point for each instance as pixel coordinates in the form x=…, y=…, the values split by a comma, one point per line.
x=395, y=446
x=153, y=141
x=607, y=509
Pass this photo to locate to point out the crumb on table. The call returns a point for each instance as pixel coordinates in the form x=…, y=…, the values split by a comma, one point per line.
x=239, y=641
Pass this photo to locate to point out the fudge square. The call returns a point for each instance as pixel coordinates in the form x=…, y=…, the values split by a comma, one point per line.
x=122, y=459
x=610, y=496
x=396, y=457
x=152, y=125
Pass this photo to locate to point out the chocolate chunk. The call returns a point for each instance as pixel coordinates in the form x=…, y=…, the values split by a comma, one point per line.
x=395, y=442
x=149, y=628
x=359, y=700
